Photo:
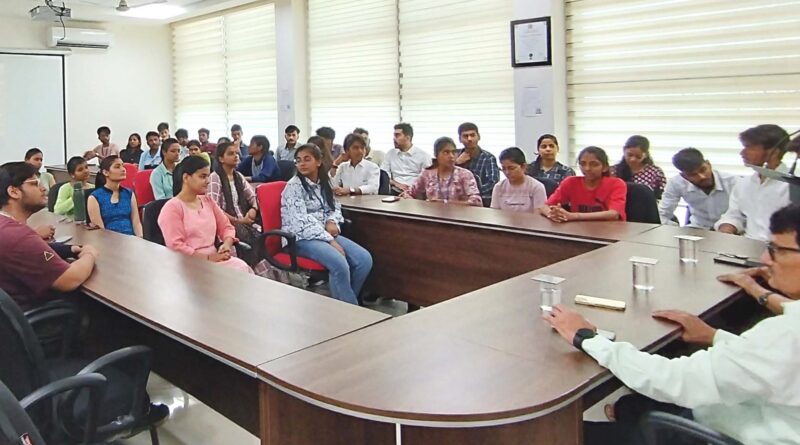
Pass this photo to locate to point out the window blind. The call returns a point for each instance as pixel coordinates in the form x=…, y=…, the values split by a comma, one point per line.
x=681, y=72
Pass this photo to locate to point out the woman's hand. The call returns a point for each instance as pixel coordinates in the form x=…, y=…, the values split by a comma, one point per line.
x=219, y=257
x=332, y=228
x=338, y=247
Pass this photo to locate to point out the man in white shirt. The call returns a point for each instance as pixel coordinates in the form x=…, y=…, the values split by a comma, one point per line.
x=355, y=175
x=745, y=386
x=755, y=198
x=707, y=191
x=405, y=162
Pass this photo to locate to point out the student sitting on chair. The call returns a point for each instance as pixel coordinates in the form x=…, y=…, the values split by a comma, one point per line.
x=705, y=189
x=35, y=157
x=192, y=222
x=375, y=156
x=310, y=211
x=405, y=162
x=208, y=147
x=132, y=153
x=163, y=131
x=546, y=166
x=286, y=152
x=259, y=165
x=106, y=147
x=79, y=174
x=637, y=166
x=444, y=181
x=112, y=206
x=182, y=136
x=518, y=192
x=30, y=268
x=235, y=196
x=328, y=135
x=327, y=158
x=195, y=149
x=354, y=174
x=152, y=157
x=480, y=162
x=755, y=198
x=595, y=196
x=161, y=178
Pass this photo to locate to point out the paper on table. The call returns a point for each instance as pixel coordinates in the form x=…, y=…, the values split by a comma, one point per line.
x=532, y=102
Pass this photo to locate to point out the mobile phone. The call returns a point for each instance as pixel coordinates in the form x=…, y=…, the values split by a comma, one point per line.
x=63, y=239
x=391, y=199
x=738, y=262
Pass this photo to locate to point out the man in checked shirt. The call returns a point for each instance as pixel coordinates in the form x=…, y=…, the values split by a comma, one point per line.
x=480, y=162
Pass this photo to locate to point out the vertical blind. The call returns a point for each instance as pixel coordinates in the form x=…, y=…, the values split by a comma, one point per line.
x=681, y=72
x=455, y=67
x=353, y=72
x=224, y=73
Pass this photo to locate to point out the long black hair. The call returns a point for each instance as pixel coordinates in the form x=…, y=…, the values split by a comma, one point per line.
x=238, y=182
x=438, y=145
x=623, y=170
x=105, y=165
x=128, y=146
x=188, y=166
x=324, y=181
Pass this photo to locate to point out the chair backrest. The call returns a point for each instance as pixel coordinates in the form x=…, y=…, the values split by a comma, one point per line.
x=385, y=186
x=656, y=423
x=14, y=421
x=641, y=204
x=130, y=176
x=287, y=169
x=21, y=354
x=151, y=231
x=142, y=188
x=269, y=204
x=550, y=185
x=52, y=196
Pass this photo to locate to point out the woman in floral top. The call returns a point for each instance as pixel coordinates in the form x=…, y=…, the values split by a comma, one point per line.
x=444, y=182
x=637, y=166
x=312, y=214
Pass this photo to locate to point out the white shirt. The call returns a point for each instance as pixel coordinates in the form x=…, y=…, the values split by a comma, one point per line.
x=365, y=176
x=405, y=167
x=752, y=203
x=706, y=208
x=744, y=386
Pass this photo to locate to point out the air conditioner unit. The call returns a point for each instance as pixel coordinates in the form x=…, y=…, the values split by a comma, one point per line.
x=58, y=37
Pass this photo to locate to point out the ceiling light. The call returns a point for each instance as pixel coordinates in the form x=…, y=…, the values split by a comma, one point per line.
x=155, y=11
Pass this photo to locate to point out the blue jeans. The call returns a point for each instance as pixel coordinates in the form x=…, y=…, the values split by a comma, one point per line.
x=347, y=274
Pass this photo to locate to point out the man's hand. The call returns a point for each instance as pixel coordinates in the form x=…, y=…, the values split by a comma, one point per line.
x=86, y=250
x=341, y=191
x=567, y=322
x=695, y=330
x=463, y=158
x=46, y=231
x=728, y=228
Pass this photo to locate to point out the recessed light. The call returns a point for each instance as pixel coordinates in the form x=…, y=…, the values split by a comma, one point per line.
x=156, y=11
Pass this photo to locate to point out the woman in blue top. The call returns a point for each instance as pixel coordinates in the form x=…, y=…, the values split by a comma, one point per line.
x=112, y=206
x=310, y=212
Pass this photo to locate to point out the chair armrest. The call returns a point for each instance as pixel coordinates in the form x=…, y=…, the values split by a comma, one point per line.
x=136, y=361
x=244, y=245
x=656, y=421
x=291, y=245
x=95, y=383
x=63, y=314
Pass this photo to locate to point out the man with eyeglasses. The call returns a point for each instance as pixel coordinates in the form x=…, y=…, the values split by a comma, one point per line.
x=745, y=386
x=30, y=268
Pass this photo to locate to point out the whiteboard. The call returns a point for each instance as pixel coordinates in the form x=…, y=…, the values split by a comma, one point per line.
x=32, y=107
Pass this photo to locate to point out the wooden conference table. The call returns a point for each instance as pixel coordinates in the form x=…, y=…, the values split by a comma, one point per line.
x=484, y=367
x=210, y=326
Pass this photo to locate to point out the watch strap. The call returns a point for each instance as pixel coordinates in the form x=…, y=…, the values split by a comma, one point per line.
x=581, y=335
x=764, y=298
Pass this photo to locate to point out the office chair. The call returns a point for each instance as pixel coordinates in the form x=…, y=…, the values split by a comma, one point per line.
x=640, y=205
x=656, y=423
x=385, y=187
x=52, y=196
x=131, y=170
x=287, y=169
x=142, y=188
x=550, y=185
x=150, y=229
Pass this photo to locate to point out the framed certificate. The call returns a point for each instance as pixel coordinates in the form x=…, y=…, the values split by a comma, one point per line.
x=530, y=42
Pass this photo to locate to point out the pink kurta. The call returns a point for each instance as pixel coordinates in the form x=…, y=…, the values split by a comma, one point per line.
x=191, y=231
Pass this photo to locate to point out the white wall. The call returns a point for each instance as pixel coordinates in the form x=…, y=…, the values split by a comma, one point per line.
x=127, y=87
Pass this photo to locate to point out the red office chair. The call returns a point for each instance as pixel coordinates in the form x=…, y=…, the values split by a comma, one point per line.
x=130, y=178
x=269, y=204
x=142, y=188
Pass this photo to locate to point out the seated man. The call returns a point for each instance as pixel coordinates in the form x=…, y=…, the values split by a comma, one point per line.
x=328, y=134
x=706, y=190
x=106, y=147
x=354, y=174
x=480, y=162
x=755, y=198
x=286, y=152
x=744, y=386
x=405, y=162
x=30, y=269
x=260, y=165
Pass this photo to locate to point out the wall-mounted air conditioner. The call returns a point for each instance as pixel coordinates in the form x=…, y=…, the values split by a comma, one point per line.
x=58, y=37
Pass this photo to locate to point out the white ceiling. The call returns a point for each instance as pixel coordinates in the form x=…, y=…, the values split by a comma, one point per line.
x=83, y=11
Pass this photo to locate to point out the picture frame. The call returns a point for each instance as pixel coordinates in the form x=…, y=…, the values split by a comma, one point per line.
x=530, y=42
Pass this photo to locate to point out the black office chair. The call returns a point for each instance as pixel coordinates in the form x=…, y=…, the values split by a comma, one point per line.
x=550, y=185
x=52, y=196
x=16, y=426
x=287, y=169
x=150, y=228
x=385, y=187
x=641, y=204
x=656, y=423
x=125, y=406
x=57, y=326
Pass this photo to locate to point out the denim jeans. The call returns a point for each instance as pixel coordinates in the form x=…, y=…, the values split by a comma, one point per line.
x=347, y=274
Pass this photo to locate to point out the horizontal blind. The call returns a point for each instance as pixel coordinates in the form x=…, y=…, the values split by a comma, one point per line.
x=455, y=67
x=353, y=72
x=681, y=72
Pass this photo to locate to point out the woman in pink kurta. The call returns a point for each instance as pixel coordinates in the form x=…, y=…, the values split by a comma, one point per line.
x=191, y=221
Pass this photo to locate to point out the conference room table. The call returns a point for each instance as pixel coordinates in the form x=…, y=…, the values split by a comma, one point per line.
x=61, y=174
x=425, y=253
x=210, y=326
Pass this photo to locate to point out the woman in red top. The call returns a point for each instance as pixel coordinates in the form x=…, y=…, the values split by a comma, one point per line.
x=595, y=196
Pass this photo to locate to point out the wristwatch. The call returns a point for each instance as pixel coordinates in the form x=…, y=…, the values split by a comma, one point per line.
x=763, y=298
x=581, y=335
x=352, y=191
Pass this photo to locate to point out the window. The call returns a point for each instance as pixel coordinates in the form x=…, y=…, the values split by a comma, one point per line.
x=225, y=73
x=681, y=72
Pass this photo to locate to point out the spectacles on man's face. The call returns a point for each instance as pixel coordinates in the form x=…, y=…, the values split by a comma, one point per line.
x=773, y=249
x=36, y=182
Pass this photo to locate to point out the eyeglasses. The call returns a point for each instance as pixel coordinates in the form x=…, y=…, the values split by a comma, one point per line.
x=36, y=182
x=773, y=248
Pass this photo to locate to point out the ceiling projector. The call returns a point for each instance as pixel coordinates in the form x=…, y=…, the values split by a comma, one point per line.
x=50, y=13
